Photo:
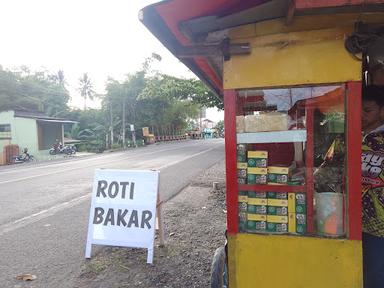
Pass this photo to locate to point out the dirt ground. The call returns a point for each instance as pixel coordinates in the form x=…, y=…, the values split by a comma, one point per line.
x=194, y=222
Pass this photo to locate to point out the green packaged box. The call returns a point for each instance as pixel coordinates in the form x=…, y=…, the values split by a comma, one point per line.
x=276, y=210
x=242, y=221
x=243, y=207
x=297, y=223
x=257, y=209
x=253, y=194
x=241, y=158
x=241, y=150
x=256, y=179
x=277, y=179
x=277, y=195
x=257, y=175
x=242, y=173
x=256, y=226
x=257, y=159
x=279, y=175
x=256, y=223
x=297, y=203
x=277, y=227
x=242, y=201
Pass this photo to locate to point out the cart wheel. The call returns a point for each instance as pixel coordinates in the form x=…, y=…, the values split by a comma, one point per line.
x=219, y=269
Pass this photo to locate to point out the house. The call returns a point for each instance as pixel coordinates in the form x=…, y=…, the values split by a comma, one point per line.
x=28, y=129
x=206, y=123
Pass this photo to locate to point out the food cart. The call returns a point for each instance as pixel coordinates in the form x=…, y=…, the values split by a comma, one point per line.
x=292, y=98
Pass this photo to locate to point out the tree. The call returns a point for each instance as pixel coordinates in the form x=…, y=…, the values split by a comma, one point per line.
x=86, y=89
x=39, y=91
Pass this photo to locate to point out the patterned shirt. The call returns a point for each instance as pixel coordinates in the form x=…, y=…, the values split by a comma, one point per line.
x=372, y=159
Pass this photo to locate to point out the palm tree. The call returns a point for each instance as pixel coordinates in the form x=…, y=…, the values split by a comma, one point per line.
x=86, y=89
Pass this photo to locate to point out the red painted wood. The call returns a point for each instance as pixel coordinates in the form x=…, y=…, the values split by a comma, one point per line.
x=176, y=11
x=231, y=162
x=354, y=159
x=272, y=188
x=309, y=163
x=207, y=69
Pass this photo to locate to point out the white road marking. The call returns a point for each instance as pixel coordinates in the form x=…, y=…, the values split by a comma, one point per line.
x=105, y=156
x=41, y=215
x=77, y=168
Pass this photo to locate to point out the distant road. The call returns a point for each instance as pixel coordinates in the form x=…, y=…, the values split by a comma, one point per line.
x=45, y=206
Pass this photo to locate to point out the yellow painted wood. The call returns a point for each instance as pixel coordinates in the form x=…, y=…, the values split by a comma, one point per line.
x=274, y=261
x=296, y=58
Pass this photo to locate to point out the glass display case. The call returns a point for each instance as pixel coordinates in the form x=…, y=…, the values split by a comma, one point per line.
x=290, y=160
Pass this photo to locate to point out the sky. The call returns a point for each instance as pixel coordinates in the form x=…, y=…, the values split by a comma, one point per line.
x=101, y=37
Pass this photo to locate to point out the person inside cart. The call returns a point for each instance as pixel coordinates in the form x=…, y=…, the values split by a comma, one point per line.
x=373, y=186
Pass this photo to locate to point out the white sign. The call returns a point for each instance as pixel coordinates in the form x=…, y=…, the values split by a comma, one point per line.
x=123, y=209
x=132, y=127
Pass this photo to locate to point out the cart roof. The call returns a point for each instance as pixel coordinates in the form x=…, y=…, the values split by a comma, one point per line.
x=184, y=26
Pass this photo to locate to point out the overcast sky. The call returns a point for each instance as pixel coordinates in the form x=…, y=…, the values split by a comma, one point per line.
x=101, y=37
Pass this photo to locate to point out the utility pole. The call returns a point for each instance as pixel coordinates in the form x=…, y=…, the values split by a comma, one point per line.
x=124, y=146
x=111, y=123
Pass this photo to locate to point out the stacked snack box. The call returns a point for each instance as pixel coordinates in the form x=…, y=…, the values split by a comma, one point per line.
x=242, y=210
x=277, y=212
x=257, y=167
x=257, y=175
x=258, y=159
x=267, y=212
x=297, y=213
x=256, y=212
x=278, y=175
x=241, y=163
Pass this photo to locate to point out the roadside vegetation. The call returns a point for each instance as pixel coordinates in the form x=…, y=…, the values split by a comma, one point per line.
x=145, y=98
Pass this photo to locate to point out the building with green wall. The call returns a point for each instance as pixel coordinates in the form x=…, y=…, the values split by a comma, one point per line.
x=32, y=130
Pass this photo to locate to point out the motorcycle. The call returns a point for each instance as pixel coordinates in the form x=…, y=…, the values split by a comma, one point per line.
x=60, y=149
x=24, y=157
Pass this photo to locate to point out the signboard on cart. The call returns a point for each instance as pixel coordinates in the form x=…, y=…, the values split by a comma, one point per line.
x=123, y=209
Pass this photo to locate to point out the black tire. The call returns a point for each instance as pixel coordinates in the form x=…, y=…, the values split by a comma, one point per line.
x=52, y=152
x=219, y=270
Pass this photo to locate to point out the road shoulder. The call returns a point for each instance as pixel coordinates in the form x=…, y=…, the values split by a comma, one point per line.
x=194, y=227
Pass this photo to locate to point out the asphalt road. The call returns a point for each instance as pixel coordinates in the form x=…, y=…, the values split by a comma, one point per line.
x=45, y=206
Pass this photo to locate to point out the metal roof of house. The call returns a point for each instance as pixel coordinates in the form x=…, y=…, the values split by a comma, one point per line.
x=41, y=117
x=186, y=27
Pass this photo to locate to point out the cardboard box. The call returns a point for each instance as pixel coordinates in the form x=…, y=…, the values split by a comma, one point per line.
x=258, y=159
x=240, y=125
x=297, y=203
